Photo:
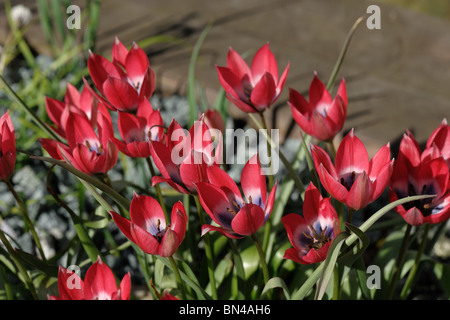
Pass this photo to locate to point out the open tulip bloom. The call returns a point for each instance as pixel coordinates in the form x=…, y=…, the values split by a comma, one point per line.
x=88, y=150
x=420, y=173
x=256, y=88
x=83, y=103
x=183, y=158
x=138, y=131
x=124, y=81
x=236, y=216
x=148, y=228
x=312, y=234
x=99, y=284
x=322, y=117
x=440, y=138
x=353, y=179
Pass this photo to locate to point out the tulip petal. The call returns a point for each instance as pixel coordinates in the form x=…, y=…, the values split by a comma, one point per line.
x=227, y=233
x=264, y=61
x=144, y=240
x=263, y=94
x=123, y=224
x=145, y=211
x=99, y=282
x=351, y=156
x=359, y=194
x=237, y=65
x=318, y=92
x=125, y=287
x=136, y=64
x=248, y=220
x=311, y=203
x=253, y=182
x=169, y=243
x=216, y=204
x=120, y=94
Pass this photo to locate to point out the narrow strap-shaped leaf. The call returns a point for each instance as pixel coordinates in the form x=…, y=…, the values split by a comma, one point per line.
x=114, y=195
x=202, y=294
x=330, y=264
x=276, y=282
x=191, y=76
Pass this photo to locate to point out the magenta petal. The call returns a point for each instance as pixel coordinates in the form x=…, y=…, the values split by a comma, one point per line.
x=227, y=233
x=264, y=61
x=318, y=93
x=311, y=204
x=216, y=204
x=334, y=187
x=314, y=256
x=178, y=219
x=100, y=69
x=321, y=158
x=136, y=64
x=248, y=220
x=125, y=287
x=169, y=243
x=221, y=179
x=253, y=182
x=119, y=52
x=123, y=224
x=351, y=155
x=145, y=240
x=263, y=94
x=99, y=282
x=359, y=195
x=120, y=94
x=145, y=211
x=237, y=65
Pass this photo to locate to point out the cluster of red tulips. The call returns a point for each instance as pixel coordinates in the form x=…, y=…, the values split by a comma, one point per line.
x=190, y=162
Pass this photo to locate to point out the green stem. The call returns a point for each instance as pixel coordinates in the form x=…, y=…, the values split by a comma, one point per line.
x=287, y=164
x=332, y=149
x=208, y=250
x=178, y=277
x=28, y=221
x=158, y=189
x=350, y=215
x=268, y=225
x=400, y=260
x=269, y=149
x=336, y=288
x=262, y=257
x=340, y=59
x=20, y=267
x=310, y=162
x=25, y=108
x=412, y=274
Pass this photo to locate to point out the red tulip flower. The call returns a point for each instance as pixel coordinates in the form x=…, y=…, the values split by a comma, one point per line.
x=420, y=173
x=83, y=103
x=236, y=216
x=214, y=120
x=353, y=179
x=99, y=284
x=138, y=131
x=312, y=234
x=183, y=159
x=7, y=147
x=88, y=151
x=255, y=88
x=148, y=228
x=124, y=81
x=440, y=137
x=322, y=117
